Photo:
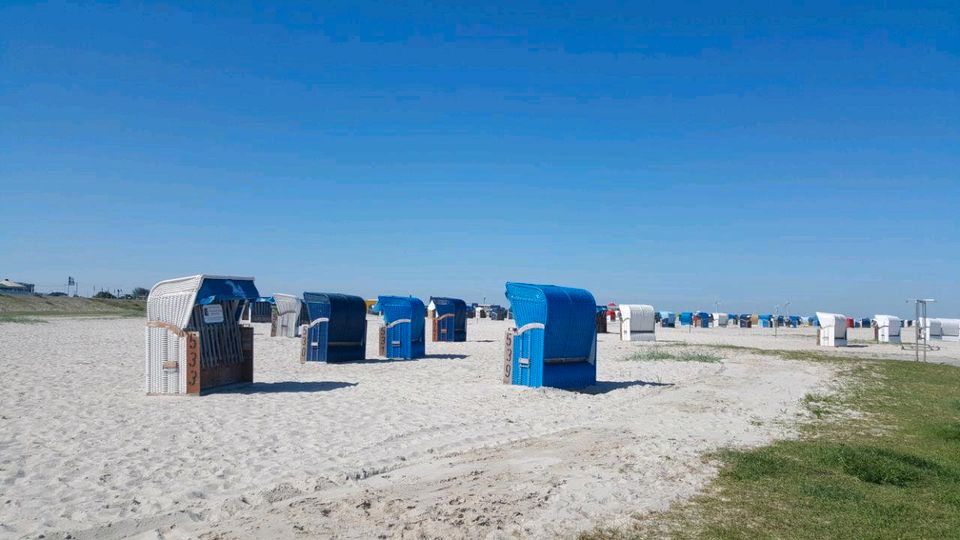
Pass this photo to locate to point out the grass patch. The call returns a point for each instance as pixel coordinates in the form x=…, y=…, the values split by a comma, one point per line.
x=806, y=356
x=699, y=356
x=678, y=354
x=19, y=319
x=890, y=471
x=14, y=308
x=652, y=354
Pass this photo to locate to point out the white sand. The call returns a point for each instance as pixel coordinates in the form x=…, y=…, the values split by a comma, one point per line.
x=436, y=447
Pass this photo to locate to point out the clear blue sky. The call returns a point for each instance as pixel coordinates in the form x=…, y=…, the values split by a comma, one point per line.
x=755, y=153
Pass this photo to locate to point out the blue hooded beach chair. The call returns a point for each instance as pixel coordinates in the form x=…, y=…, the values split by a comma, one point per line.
x=555, y=341
x=402, y=335
x=337, y=331
x=450, y=319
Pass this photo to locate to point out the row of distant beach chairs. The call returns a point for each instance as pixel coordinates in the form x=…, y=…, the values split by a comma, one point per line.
x=195, y=340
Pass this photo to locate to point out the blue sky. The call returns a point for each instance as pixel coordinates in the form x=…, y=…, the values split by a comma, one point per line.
x=754, y=153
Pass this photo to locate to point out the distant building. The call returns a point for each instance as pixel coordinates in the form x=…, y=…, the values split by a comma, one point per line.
x=16, y=289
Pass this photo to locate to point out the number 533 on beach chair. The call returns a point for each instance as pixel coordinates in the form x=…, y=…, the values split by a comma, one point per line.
x=194, y=339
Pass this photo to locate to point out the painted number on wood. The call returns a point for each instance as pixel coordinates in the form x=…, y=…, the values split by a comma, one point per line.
x=193, y=363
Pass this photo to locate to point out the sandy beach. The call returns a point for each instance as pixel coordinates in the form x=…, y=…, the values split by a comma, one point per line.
x=430, y=448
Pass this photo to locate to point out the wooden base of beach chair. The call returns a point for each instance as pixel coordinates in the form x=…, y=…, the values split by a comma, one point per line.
x=508, y=357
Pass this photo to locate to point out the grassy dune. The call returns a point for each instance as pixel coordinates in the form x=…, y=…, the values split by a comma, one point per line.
x=879, y=460
x=34, y=308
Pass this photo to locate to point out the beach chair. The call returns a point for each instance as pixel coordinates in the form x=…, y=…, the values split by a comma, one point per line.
x=402, y=335
x=833, y=330
x=554, y=343
x=637, y=322
x=194, y=339
x=450, y=319
x=337, y=328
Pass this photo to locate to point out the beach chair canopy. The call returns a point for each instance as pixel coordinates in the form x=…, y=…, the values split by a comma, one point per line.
x=450, y=323
x=950, y=328
x=640, y=317
x=448, y=306
x=287, y=304
x=568, y=316
x=398, y=308
x=892, y=323
x=686, y=317
x=346, y=313
x=833, y=320
x=172, y=301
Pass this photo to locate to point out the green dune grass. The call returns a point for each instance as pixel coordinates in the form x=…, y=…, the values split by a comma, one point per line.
x=879, y=460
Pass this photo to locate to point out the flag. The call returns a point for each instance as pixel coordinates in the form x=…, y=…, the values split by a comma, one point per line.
x=70, y=281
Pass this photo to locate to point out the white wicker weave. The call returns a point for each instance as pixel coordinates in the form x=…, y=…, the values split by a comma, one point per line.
x=720, y=320
x=288, y=314
x=638, y=322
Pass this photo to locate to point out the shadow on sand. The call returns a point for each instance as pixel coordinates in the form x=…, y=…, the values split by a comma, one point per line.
x=390, y=360
x=602, y=387
x=282, y=387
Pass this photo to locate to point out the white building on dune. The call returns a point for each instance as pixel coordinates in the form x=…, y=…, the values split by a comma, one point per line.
x=14, y=288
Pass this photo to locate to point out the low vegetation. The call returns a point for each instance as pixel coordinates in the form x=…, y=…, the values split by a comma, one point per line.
x=22, y=309
x=20, y=319
x=678, y=354
x=879, y=460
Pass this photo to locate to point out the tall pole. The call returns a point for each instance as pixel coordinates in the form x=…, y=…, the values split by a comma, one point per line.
x=776, y=317
x=918, y=323
x=920, y=312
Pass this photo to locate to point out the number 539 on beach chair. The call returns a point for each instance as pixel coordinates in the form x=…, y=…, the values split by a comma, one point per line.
x=555, y=341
